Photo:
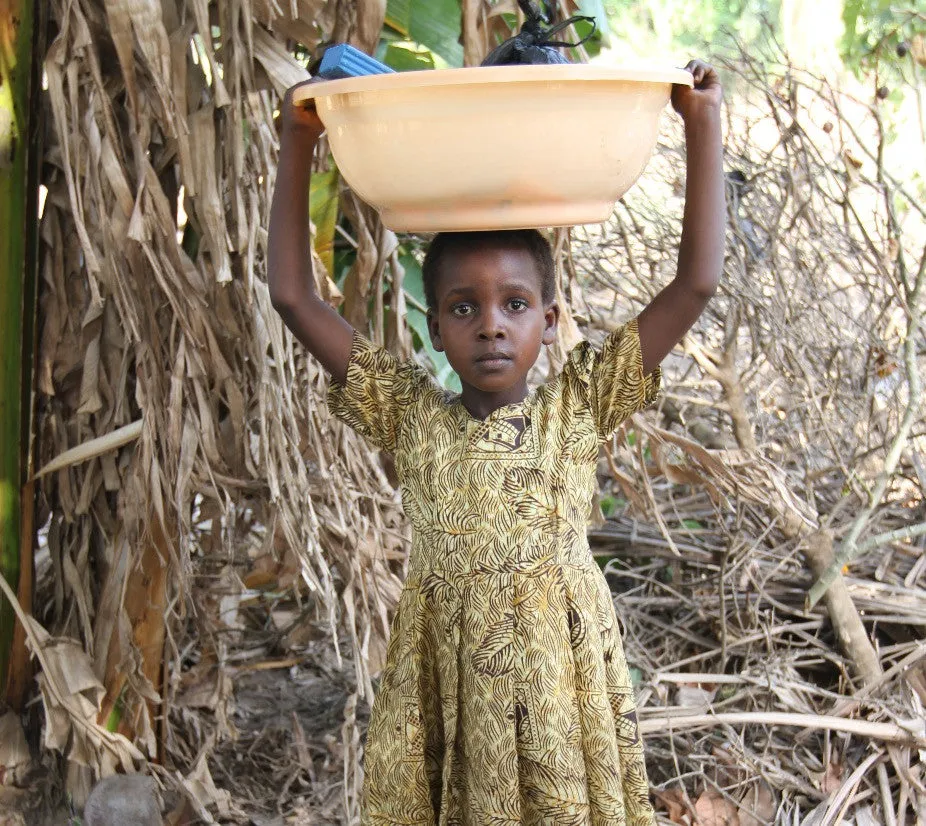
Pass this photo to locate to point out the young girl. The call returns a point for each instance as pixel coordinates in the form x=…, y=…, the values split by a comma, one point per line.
x=506, y=697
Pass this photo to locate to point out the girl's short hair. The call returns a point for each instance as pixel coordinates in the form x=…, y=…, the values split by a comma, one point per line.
x=445, y=245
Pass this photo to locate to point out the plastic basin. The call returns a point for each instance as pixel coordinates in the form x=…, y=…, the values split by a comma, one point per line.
x=502, y=147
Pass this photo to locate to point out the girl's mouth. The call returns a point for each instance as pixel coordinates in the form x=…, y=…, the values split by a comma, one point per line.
x=493, y=359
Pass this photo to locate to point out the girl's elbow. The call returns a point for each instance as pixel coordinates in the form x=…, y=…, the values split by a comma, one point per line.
x=282, y=300
x=706, y=283
x=707, y=291
x=699, y=290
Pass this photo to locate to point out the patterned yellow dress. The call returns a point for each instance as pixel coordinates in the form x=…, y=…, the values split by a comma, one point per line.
x=506, y=698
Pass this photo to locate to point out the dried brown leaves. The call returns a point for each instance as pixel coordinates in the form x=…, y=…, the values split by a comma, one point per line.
x=155, y=317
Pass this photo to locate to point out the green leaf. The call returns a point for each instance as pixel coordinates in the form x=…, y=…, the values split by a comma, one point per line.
x=434, y=24
x=344, y=258
x=596, y=9
x=692, y=524
x=115, y=716
x=607, y=504
x=418, y=322
x=725, y=692
x=413, y=281
x=511, y=21
x=323, y=210
x=850, y=14
x=398, y=13
x=408, y=57
x=449, y=379
x=190, y=241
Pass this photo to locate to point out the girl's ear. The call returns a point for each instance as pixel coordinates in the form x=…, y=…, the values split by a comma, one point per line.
x=551, y=320
x=434, y=331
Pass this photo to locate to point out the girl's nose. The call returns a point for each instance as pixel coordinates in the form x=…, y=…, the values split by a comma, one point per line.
x=492, y=327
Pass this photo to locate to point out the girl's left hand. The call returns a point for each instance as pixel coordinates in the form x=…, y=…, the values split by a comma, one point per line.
x=705, y=95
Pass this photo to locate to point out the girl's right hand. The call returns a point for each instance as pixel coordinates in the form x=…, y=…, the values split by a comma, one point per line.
x=300, y=119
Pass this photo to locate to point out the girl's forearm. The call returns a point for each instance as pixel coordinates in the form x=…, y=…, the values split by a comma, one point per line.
x=289, y=249
x=666, y=319
x=321, y=330
x=700, y=256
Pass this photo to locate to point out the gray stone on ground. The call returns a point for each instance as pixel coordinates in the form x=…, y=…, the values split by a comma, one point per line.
x=124, y=800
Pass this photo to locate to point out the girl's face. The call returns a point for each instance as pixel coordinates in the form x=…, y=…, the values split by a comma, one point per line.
x=490, y=320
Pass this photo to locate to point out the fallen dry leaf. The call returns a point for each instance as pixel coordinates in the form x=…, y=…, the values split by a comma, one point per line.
x=690, y=695
x=713, y=809
x=758, y=805
x=675, y=804
x=15, y=760
x=831, y=779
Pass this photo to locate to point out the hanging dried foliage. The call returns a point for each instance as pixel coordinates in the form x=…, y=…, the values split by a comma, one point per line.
x=156, y=322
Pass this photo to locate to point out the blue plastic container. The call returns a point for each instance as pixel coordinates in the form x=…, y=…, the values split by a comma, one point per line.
x=346, y=61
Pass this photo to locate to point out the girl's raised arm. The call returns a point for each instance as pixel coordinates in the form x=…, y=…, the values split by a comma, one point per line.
x=671, y=314
x=324, y=333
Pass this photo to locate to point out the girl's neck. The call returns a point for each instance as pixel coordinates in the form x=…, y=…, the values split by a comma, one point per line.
x=480, y=404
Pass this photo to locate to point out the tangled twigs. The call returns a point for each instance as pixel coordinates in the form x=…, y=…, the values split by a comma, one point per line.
x=885, y=732
x=850, y=631
x=799, y=377
x=850, y=548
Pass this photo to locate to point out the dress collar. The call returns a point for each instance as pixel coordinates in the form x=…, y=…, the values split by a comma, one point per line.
x=455, y=403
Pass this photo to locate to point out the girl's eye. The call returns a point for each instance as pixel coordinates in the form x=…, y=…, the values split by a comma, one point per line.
x=462, y=310
x=517, y=304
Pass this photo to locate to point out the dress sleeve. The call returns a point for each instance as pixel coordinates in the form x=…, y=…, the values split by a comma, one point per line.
x=376, y=393
x=610, y=379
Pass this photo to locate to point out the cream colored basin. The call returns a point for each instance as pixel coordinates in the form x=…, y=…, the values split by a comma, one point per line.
x=494, y=147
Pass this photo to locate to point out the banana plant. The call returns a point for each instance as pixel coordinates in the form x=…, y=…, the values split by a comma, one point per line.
x=18, y=219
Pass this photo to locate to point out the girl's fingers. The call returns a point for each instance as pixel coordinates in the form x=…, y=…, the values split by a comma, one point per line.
x=288, y=97
x=701, y=72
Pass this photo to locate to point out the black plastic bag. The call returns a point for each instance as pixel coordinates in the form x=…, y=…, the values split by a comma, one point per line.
x=534, y=43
